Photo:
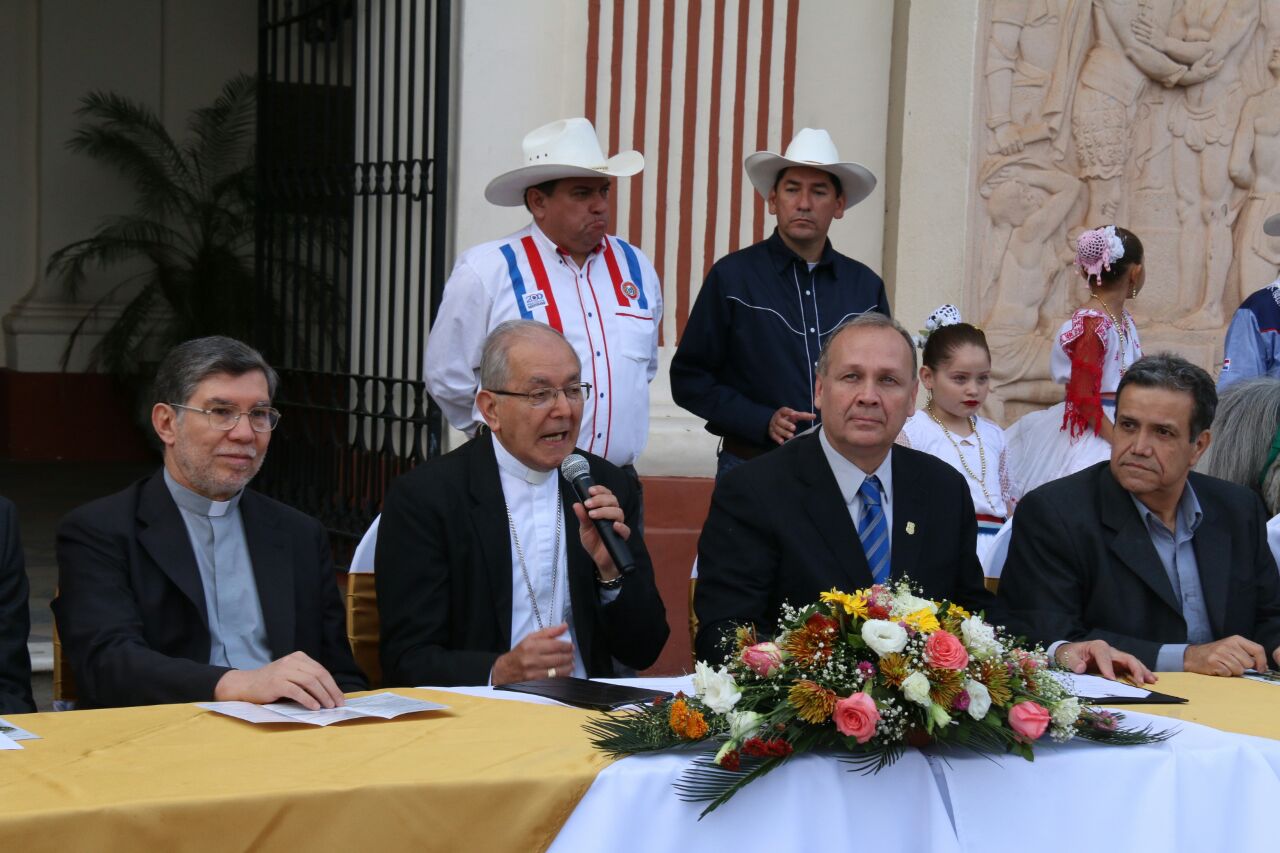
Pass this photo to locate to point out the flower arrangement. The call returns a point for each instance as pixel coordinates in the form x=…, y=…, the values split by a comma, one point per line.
x=871, y=673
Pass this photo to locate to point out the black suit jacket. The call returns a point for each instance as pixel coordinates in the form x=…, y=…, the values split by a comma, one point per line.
x=1081, y=566
x=443, y=574
x=779, y=530
x=15, y=619
x=131, y=606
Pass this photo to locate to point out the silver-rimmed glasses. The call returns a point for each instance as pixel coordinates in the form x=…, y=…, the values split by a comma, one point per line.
x=575, y=392
x=225, y=418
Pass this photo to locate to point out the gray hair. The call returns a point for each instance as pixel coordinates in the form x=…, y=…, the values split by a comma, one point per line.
x=869, y=320
x=1248, y=414
x=1174, y=373
x=190, y=363
x=495, y=361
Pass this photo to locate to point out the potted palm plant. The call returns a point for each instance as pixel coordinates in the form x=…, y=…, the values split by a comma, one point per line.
x=188, y=243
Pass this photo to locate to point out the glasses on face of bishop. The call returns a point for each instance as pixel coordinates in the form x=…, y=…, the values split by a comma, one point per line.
x=574, y=392
x=225, y=418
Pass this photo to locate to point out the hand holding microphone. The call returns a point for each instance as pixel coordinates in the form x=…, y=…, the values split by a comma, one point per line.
x=577, y=472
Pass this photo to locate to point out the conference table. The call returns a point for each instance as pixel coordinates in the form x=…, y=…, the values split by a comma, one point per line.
x=497, y=772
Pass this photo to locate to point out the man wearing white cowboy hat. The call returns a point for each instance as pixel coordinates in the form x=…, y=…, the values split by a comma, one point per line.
x=746, y=360
x=565, y=270
x=1252, y=347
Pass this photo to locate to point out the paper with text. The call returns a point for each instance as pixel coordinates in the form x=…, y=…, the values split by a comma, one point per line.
x=381, y=705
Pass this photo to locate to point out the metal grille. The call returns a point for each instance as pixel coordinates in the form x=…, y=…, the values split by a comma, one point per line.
x=352, y=166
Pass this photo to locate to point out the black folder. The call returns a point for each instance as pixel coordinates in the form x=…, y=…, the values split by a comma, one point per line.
x=1152, y=698
x=584, y=693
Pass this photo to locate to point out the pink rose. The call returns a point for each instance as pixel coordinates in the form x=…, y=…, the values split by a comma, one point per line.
x=945, y=651
x=1029, y=720
x=856, y=716
x=763, y=658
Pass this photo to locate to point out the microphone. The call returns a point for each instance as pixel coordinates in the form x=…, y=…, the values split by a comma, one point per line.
x=577, y=471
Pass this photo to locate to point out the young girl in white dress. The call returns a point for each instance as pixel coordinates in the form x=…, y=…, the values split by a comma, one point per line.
x=1092, y=351
x=956, y=374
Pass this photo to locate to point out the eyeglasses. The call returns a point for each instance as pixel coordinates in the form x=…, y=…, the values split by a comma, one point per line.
x=543, y=397
x=225, y=418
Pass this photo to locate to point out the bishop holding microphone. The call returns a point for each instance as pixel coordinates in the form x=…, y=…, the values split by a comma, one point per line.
x=496, y=564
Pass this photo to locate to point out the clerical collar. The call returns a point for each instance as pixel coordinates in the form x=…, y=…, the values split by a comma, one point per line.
x=198, y=504
x=516, y=468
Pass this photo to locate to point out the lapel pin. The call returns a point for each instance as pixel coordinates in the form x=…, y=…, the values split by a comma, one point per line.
x=911, y=528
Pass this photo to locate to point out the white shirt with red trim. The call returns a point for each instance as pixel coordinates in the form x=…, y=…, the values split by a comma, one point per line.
x=609, y=310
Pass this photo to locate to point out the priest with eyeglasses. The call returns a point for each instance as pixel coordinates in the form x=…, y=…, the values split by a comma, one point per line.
x=489, y=568
x=187, y=585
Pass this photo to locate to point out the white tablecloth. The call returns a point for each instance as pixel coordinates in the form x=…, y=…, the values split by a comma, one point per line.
x=1201, y=790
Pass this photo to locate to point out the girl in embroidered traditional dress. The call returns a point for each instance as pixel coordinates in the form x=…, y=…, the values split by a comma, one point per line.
x=1093, y=350
x=956, y=374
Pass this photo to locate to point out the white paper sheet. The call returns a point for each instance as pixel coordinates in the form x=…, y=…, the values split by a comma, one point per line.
x=14, y=732
x=7, y=743
x=381, y=705
x=1097, y=687
x=1271, y=676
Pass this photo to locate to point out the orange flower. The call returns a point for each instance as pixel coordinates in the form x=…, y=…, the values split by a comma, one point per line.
x=813, y=702
x=687, y=722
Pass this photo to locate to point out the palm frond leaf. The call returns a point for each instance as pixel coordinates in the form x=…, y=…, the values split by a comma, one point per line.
x=872, y=760
x=704, y=781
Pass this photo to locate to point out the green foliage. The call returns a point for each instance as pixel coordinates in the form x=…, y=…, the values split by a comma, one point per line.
x=190, y=236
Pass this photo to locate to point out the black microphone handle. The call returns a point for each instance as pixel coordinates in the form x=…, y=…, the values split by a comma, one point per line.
x=613, y=543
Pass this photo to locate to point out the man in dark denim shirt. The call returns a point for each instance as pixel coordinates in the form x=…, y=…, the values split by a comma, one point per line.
x=746, y=360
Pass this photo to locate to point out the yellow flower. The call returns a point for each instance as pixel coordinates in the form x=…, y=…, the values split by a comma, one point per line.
x=923, y=620
x=854, y=605
x=957, y=611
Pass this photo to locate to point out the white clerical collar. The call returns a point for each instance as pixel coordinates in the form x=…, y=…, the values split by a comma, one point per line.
x=516, y=468
x=849, y=477
x=198, y=504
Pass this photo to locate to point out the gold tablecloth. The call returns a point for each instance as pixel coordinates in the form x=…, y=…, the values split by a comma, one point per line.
x=486, y=774
x=1230, y=704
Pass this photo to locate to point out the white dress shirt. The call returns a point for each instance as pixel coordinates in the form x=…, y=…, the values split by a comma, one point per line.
x=849, y=477
x=533, y=499
x=609, y=310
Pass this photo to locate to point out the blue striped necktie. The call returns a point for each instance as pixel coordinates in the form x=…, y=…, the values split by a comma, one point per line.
x=874, y=530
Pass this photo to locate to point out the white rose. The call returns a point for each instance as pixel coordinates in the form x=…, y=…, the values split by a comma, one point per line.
x=1066, y=712
x=904, y=604
x=916, y=689
x=980, y=638
x=743, y=723
x=715, y=687
x=979, y=698
x=883, y=636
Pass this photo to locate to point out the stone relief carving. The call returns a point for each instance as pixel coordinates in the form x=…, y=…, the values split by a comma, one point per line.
x=1160, y=115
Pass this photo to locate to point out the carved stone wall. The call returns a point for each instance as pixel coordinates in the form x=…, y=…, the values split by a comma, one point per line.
x=1159, y=115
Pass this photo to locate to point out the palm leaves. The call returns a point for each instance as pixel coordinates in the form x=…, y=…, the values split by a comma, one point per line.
x=188, y=243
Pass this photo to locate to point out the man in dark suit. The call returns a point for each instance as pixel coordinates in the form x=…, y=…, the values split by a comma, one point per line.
x=15, y=620
x=818, y=512
x=481, y=576
x=1167, y=564
x=187, y=586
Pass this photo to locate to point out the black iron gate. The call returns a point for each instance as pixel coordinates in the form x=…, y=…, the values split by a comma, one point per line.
x=352, y=166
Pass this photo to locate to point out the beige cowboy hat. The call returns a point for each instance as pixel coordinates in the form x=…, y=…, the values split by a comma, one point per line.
x=1272, y=226
x=563, y=149
x=811, y=148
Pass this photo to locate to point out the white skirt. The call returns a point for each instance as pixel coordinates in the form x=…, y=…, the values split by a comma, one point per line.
x=1040, y=450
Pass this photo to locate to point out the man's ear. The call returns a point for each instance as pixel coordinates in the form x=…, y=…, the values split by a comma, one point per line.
x=839, y=214
x=1202, y=444
x=772, y=202
x=487, y=403
x=164, y=420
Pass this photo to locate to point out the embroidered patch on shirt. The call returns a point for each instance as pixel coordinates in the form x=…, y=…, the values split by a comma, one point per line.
x=536, y=299
x=1226, y=364
x=630, y=289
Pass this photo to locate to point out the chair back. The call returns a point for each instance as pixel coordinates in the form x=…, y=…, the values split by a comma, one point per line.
x=362, y=607
x=64, y=684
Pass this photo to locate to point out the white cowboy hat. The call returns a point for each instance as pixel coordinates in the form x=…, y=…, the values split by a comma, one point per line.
x=811, y=148
x=563, y=149
x=1272, y=225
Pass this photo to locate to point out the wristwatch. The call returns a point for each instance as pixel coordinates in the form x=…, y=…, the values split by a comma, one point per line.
x=604, y=584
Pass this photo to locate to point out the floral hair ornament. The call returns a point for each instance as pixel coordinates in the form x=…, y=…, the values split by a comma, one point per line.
x=944, y=315
x=1097, y=250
